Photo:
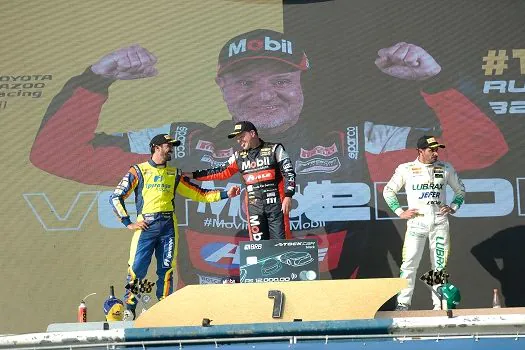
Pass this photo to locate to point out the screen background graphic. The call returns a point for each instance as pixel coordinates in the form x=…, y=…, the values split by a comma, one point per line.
x=61, y=241
x=55, y=251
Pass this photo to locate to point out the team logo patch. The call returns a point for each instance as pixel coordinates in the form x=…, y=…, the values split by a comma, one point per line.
x=265, y=151
x=352, y=142
x=180, y=134
x=261, y=44
x=416, y=171
x=212, y=161
x=317, y=165
x=318, y=151
x=259, y=176
x=208, y=146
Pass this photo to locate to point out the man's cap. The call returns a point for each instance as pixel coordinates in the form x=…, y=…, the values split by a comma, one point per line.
x=428, y=142
x=162, y=139
x=241, y=127
x=262, y=44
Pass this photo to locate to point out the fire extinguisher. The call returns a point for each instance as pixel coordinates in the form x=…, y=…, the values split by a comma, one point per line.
x=82, y=309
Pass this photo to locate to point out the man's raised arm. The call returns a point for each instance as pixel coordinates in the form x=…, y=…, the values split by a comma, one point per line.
x=66, y=144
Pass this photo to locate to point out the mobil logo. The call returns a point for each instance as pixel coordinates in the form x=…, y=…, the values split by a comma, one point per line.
x=257, y=163
x=220, y=254
x=262, y=44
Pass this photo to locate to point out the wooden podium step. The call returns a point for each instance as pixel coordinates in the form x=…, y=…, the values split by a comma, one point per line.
x=261, y=302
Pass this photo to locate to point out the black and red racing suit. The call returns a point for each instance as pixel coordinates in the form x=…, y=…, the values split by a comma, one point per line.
x=268, y=175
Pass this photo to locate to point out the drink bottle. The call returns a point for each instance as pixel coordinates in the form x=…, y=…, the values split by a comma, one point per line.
x=496, y=303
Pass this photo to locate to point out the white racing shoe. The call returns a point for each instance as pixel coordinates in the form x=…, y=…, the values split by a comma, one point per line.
x=402, y=307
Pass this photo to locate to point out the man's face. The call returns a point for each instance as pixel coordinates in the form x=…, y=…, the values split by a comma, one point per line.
x=165, y=150
x=428, y=155
x=265, y=92
x=247, y=139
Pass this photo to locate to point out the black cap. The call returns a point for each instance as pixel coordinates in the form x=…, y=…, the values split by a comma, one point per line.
x=262, y=44
x=161, y=139
x=241, y=127
x=428, y=142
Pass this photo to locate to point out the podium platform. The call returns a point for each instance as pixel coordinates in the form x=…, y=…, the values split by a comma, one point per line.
x=332, y=314
x=239, y=303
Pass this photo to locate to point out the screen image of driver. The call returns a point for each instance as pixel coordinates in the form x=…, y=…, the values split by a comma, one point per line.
x=259, y=74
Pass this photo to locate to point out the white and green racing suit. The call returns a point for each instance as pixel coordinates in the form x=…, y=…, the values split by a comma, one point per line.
x=425, y=186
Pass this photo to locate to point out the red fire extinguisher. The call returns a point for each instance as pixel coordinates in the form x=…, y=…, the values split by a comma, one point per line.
x=82, y=309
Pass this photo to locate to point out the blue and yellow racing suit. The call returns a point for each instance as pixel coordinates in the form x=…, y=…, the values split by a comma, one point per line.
x=155, y=186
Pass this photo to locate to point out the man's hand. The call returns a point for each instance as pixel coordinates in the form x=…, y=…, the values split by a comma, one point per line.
x=134, y=62
x=286, y=206
x=445, y=210
x=407, y=61
x=234, y=191
x=139, y=225
x=408, y=214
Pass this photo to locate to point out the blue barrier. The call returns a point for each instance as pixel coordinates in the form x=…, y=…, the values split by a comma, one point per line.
x=353, y=327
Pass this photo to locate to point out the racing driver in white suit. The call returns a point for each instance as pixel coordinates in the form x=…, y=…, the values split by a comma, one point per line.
x=425, y=181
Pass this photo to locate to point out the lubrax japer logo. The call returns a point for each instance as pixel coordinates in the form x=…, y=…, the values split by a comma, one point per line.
x=417, y=187
x=266, y=44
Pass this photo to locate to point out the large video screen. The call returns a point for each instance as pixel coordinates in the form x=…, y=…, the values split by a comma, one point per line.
x=350, y=87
